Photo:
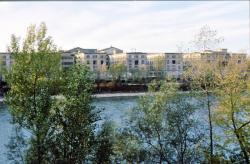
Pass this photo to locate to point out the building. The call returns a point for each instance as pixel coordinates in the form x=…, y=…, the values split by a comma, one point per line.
x=173, y=65
x=5, y=60
x=67, y=59
x=209, y=56
x=238, y=57
x=111, y=50
x=68, y=56
x=135, y=63
x=165, y=64
x=94, y=60
x=156, y=64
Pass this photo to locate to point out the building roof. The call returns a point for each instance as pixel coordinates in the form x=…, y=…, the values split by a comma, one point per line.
x=136, y=53
x=111, y=47
x=76, y=49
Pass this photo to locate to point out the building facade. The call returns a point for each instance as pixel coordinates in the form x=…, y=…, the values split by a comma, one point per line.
x=174, y=65
x=138, y=64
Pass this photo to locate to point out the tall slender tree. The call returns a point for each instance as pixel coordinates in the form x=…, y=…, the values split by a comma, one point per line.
x=31, y=80
x=74, y=118
x=163, y=128
x=202, y=75
x=233, y=111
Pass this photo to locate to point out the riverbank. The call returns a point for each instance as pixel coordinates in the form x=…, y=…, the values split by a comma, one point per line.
x=111, y=95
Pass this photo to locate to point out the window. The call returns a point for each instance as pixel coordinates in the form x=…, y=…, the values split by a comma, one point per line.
x=167, y=61
x=101, y=62
x=136, y=62
x=94, y=56
x=136, y=56
x=239, y=61
x=173, y=61
x=173, y=56
x=88, y=56
x=87, y=61
x=142, y=62
x=94, y=62
x=66, y=57
x=67, y=63
x=143, y=56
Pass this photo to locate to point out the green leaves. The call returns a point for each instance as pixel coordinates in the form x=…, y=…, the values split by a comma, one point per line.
x=162, y=127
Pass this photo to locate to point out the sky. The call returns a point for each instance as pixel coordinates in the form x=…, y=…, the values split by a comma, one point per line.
x=147, y=26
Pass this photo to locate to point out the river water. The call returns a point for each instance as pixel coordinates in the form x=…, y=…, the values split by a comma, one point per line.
x=114, y=109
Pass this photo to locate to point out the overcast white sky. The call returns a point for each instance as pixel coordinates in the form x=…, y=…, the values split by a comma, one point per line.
x=145, y=26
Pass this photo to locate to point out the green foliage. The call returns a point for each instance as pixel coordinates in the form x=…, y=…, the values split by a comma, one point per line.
x=31, y=79
x=202, y=78
x=105, y=140
x=233, y=110
x=74, y=119
x=53, y=106
x=117, y=71
x=163, y=128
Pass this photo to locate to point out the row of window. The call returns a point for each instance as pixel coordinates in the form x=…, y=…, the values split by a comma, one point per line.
x=95, y=56
x=136, y=62
x=67, y=57
x=173, y=68
x=137, y=56
x=94, y=62
x=174, y=62
x=67, y=63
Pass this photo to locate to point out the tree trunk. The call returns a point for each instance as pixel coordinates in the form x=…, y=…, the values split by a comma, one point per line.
x=210, y=126
x=240, y=138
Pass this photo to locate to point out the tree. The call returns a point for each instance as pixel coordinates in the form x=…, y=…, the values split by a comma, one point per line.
x=139, y=73
x=117, y=71
x=158, y=66
x=74, y=119
x=207, y=39
x=202, y=77
x=233, y=110
x=105, y=143
x=31, y=79
x=163, y=128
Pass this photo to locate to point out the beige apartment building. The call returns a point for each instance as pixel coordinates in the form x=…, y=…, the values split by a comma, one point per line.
x=156, y=64
x=5, y=60
x=174, y=65
x=165, y=64
x=135, y=63
x=67, y=59
x=111, y=50
x=209, y=56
